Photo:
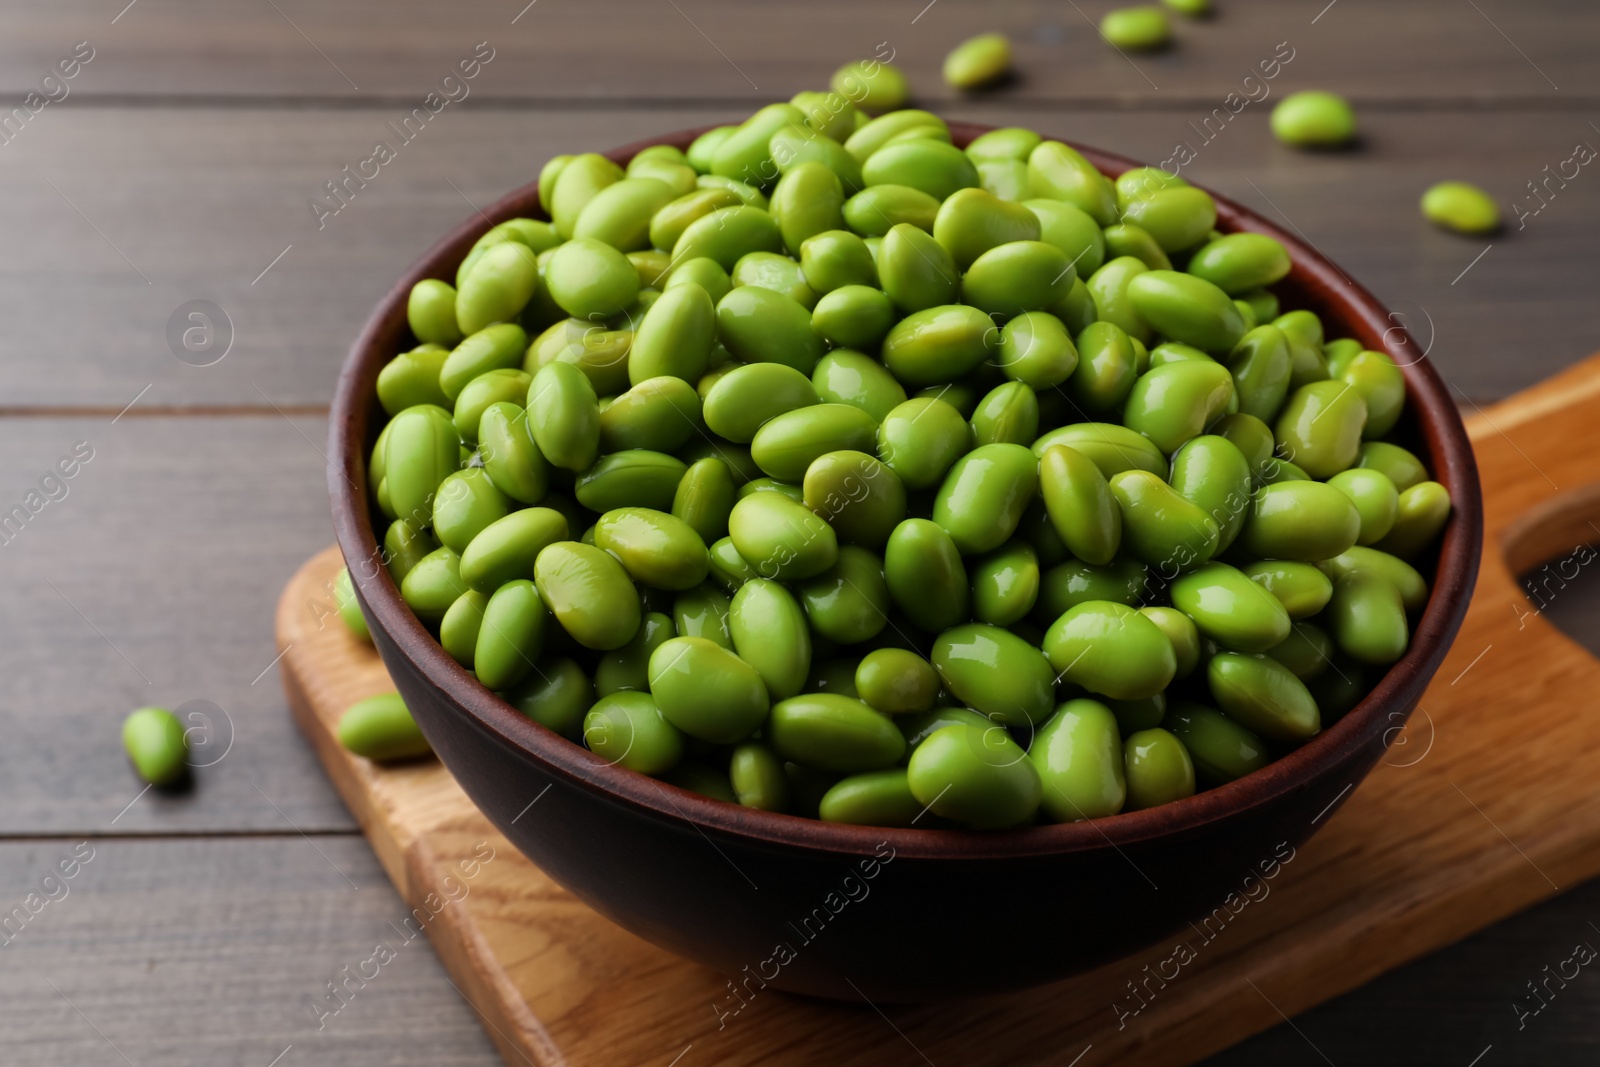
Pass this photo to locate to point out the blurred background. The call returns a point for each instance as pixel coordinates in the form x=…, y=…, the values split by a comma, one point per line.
x=162, y=160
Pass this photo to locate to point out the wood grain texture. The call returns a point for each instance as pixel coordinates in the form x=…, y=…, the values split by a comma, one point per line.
x=152, y=581
x=205, y=200
x=626, y=50
x=1458, y=830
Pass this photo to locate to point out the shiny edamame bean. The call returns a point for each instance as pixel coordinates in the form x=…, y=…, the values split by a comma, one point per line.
x=1212, y=474
x=458, y=630
x=1158, y=768
x=858, y=495
x=589, y=593
x=1375, y=499
x=786, y=445
x=1264, y=696
x=1320, y=427
x=1312, y=118
x=627, y=729
x=1240, y=262
x=381, y=728
x=635, y=478
x=704, y=498
x=763, y=326
x=512, y=635
x=1301, y=588
x=915, y=271
x=1307, y=521
x=920, y=439
x=564, y=416
x=747, y=397
x=1017, y=277
x=1186, y=308
x=971, y=222
x=1459, y=206
x=770, y=633
x=1108, y=287
x=896, y=681
x=926, y=577
x=506, y=549
x=1111, y=649
x=1058, y=172
x=1005, y=584
x=1036, y=349
x=556, y=696
x=853, y=316
x=628, y=667
x=1420, y=514
x=982, y=499
x=1082, y=509
x=432, y=584
x=1368, y=618
x=1261, y=370
x=656, y=548
x=1078, y=757
x=1007, y=414
x=976, y=777
x=876, y=798
x=675, y=336
x=1159, y=526
x=499, y=285
x=1181, y=631
x=995, y=672
x=465, y=504
x=157, y=746
x=756, y=774
x=849, y=602
x=1231, y=609
x=707, y=691
x=1307, y=651
x=830, y=732
x=1222, y=750
x=1175, y=402
x=845, y=376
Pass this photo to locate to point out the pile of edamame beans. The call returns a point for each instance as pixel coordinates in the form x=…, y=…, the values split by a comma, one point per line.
x=830, y=469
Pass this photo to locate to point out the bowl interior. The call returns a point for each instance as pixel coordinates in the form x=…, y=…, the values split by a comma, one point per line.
x=1431, y=427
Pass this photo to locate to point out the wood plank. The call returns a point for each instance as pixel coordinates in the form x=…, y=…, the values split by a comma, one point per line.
x=194, y=953
x=152, y=581
x=727, y=50
x=1473, y=819
x=203, y=201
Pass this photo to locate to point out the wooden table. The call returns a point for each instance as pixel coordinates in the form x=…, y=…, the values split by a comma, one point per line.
x=178, y=164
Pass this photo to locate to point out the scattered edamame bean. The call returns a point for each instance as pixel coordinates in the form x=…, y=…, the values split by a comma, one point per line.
x=1314, y=119
x=156, y=743
x=1458, y=206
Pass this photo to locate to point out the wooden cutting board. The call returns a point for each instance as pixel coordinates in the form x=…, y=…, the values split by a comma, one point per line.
x=1484, y=805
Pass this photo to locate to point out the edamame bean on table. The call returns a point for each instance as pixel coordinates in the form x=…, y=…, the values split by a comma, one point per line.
x=1000, y=502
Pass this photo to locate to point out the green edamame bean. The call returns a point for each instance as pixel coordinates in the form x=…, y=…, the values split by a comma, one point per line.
x=808, y=200
x=1159, y=526
x=547, y=178
x=1175, y=402
x=1010, y=142
x=834, y=259
x=655, y=548
x=574, y=185
x=1178, y=217
x=780, y=538
x=910, y=123
x=1307, y=521
x=588, y=279
x=1109, y=446
x=405, y=543
x=1375, y=499
x=935, y=167
x=1185, y=308
x=1320, y=427
x=344, y=595
x=1462, y=207
x=1247, y=312
x=1111, y=649
x=896, y=682
x=797, y=145
x=1009, y=414
x=589, y=593
x=704, y=498
x=1376, y=377
x=627, y=729
x=556, y=696
x=511, y=636
x=381, y=728
x=1072, y=230
x=876, y=798
x=727, y=233
x=1128, y=239
x=1263, y=695
x=1281, y=470
x=1301, y=588
x=1395, y=463
x=747, y=397
x=431, y=312
x=412, y=378
x=1181, y=631
x=510, y=458
x=745, y=154
x=1158, y=769
x=1075, y=582
x=1106, y=370
x=939, y=344
x=1307, y=651
x=157, y=745
x=981, y=501
x=635, y=478
x=853, y=316
x=1262, y=302
x=1078, y=757
x=877, y=209
x=1082, y=509
x=1036, y=350
x=702, y=612
x=492, y=387
x=926, y=577
x=976, y=777
x=1368, y=618
x=707, y=691
x=756, y=774
x=1078, y=310
x=1136, y=29
x=1018, y=276
x=769, y=632
x=848, y=602
x=748, y=195
x=1404, y=577
x=915, y=271
x=830, y=732
x=978, y=61
x=763, y=326
x=1241, y=262
x=660, y=414
x=619, y=215
x=1261, y=370
x=1057, y=172
x=1303, y=331
x=871, y=85
x=1252, y=437
x=786, y=445
x=423, y=449
x=669, y=222
x=506, y=549
x=1005, y=584
x=829, y=114
x=1108, y=287
x=971, y=222
x=918, y=727
x=465, y=504
x=1212, y=474
x=497, y=286
x=564, y=416
x=675, y=336
x=1313, y=118
x=600, y=354
x=921, y=438
x=844, y=376
x=995, y=672
x=1222, y=750
x=1231, y=609
x=728, y=568
x=858, y=495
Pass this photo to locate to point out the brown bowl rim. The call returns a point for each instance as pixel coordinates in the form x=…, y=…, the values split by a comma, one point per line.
x=1450, y=458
